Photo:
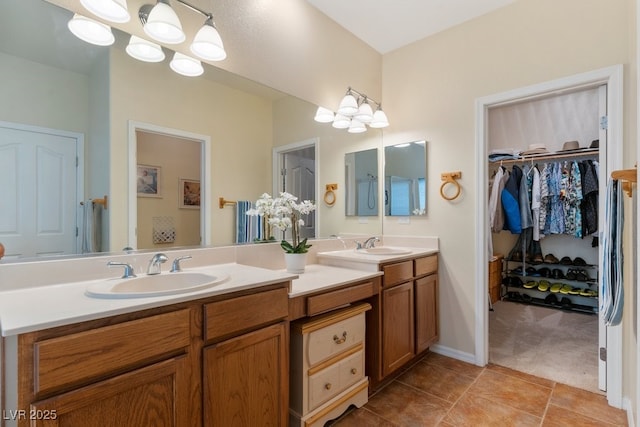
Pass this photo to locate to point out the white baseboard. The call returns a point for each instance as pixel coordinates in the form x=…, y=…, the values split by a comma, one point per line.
x=453, y=353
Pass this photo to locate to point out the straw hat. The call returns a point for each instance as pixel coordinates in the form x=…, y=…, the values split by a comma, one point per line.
x=570, y=146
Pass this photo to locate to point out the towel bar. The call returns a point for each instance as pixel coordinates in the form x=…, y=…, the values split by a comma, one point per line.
x=102, y=202
x=222, y=202
x=628, y=176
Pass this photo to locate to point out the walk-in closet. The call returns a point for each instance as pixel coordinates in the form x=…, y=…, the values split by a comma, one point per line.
x=544, y=204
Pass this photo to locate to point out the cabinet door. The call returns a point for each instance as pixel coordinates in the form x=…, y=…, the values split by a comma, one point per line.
x=426, y=312
x=246, y=380
x=397, y=327
x=145, y=397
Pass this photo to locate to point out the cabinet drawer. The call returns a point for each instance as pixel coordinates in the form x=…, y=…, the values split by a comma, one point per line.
x=331, y=381
x=320, y=303
x=335, y=338
x=426, y=265
x=397, y=273
x=96, y=353
x=228, y=317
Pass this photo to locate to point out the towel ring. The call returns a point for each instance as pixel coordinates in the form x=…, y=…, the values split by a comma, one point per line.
x=450, y=178
x=329, y=195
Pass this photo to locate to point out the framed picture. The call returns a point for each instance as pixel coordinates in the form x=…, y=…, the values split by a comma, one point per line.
x=148, y=181
x=189, y=194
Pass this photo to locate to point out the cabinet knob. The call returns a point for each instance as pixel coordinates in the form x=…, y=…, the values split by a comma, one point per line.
x=338, y=340
x=354, y=371
x=327, y=386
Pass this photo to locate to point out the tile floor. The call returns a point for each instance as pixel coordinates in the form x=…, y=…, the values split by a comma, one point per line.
x=440, y=391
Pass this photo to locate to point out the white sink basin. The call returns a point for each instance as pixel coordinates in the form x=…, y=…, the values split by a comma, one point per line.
x=381, y=250
x=153, y=285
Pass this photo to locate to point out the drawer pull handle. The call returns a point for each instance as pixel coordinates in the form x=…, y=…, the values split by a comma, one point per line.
x=354, y=371
x=327, y=386
x=338, y=340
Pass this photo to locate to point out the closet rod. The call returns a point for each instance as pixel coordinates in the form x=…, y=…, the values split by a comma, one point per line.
x=550, y=156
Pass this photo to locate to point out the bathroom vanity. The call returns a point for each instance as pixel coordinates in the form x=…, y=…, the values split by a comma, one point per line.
x=258, y=347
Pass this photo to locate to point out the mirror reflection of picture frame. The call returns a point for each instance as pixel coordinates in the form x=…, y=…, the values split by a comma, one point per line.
x=148, y=181
x=189, y=194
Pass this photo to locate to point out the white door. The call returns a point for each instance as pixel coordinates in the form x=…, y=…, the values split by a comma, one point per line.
x=38, y=191
x=602, y=328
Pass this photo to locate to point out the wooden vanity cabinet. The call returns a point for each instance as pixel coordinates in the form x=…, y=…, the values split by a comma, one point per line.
x=216, y=361
x=409, y=311
x=246, y=377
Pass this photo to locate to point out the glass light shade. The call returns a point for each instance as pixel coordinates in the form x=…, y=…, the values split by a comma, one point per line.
x=111, y=10
x=91, y=31
x=207, y=44
x=144, y=50
x=341, y=121
x=323, y=115
x=365, y=113
x=187, y=66
x=356, y=126
x=379, y=120
x=163, y=25
x=348, y=105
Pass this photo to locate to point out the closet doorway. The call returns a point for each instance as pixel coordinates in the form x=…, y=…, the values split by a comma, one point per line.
x=605, y=87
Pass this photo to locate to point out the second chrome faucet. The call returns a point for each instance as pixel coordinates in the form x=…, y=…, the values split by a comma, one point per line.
x=155, y=263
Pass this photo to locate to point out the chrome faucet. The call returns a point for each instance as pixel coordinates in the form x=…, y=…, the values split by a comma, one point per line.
x=155, y=263
x=176, y=263
x=128, y=269
x=369, y=243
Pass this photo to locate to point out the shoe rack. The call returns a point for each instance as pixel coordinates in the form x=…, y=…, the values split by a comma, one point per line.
x=565, y=283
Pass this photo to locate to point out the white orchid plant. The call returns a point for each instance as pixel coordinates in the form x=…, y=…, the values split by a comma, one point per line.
x=285, y=212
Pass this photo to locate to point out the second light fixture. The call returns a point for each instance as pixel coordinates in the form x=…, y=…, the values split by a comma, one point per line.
x=354, y=113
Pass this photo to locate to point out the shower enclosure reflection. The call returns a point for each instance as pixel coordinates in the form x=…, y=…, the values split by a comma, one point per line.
x=361, y=179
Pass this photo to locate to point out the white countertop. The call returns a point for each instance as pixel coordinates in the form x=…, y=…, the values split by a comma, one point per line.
x=354, y=259
x=318, y=277
x=36, y=308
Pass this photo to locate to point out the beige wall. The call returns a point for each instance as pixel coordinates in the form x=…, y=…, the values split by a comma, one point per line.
x=43, y=96
x=429, y=90
x=240, y=148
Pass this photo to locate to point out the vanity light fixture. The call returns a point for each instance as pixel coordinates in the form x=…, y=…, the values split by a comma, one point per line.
x=354, y=113
x=110, y=10
x=185, y=65
x=144, y=50
x=324, y=115
x=161, y=23
x=207, y=44
x=91, y=31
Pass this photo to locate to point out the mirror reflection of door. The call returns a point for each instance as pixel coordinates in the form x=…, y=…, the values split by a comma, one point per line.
x=39, y=189
x=298, y=171
x=168, y=190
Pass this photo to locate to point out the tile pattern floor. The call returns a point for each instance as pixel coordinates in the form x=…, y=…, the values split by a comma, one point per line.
x=440, y=391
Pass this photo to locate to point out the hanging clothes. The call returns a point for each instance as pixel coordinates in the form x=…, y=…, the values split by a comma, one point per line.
x=524, y=198
x=555, y=216
x=510, y=201
x=590, y=195
x=535, y=202
x=496, y=216
x=612, y=298
x=572, y=198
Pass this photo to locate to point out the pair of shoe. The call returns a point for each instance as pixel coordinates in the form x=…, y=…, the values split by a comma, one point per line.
x=577, y=274
x=577, y=261
x=556, y=273
x=550, y=259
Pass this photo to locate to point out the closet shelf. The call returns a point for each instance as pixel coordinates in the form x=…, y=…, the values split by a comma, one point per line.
x=550, y=156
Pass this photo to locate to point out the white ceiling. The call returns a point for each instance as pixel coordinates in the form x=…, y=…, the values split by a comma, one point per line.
x=386, y=25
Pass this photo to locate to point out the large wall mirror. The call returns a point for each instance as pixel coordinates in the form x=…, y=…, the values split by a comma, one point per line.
x=53, y=81
x=405, y=182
